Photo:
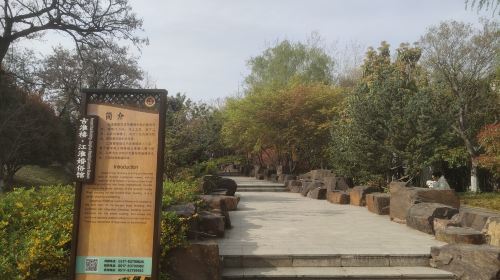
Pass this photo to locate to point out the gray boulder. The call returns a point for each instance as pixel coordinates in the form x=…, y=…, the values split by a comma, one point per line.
x=475, y=218
x=183, y=210
x=194, y=262
x=212, y=224
x=421, y=216
x=309, y=186
x=402, y=198
x=216, y=201
x=378, y=203
x=468, y=262
x=317, y=193
x=460, y=235
x=358, y=194
x=338, y=197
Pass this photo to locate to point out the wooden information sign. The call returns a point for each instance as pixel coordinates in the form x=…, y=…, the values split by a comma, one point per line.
x=116, y=227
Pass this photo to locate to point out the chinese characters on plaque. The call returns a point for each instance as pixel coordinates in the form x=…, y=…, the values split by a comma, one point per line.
x=86, y=148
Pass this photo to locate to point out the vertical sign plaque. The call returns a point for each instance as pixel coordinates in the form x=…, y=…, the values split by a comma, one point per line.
x=116, y=230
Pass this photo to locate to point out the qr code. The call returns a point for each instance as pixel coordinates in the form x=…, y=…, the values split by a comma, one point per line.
x=91, y=264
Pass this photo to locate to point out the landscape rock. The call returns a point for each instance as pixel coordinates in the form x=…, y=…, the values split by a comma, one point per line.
x=330, y=183
x=306, y=176
x=225, y=214
x=402, y=198
x=378, y=203
x=421, y=216
x=475, y=218
x=309, y=186
x=442, y=224
x=290, y=183
x=212, y=224
x=338, y=197
x=492, y=231
x=215, y=201
x=319, y=174
x=194, y=262
x=333, y=183
x=460, y=235
x=358, y=194
x=317, y=193
x=295, y=188
x=217, y=184
x=468, y=262
x=183, y=210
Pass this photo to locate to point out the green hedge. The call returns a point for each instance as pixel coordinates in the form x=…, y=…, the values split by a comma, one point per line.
x=36, y=224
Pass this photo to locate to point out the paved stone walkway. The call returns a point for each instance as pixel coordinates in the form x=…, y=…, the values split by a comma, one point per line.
x=273, y=223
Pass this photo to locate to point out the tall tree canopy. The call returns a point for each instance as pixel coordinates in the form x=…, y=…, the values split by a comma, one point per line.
x=389, y=127
x=287, y=107
x=463, y=61
x=285, y=61
x=65, y=72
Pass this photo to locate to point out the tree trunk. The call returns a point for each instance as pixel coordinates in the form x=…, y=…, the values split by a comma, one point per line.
x=474, y=185
x=4, y=47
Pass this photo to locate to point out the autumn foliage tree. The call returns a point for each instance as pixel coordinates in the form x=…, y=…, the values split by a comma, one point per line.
x=287, y=107
x=489, y=139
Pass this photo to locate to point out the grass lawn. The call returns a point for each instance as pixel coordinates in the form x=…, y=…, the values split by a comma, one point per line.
x=33, y=175
x=482, y=200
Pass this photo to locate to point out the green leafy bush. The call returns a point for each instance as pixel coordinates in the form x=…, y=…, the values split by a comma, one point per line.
x=36, y=224
x=179, y=192
x=35, y=232
x=211, y=167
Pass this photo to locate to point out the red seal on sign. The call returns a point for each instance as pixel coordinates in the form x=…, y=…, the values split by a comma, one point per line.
x=150, y=101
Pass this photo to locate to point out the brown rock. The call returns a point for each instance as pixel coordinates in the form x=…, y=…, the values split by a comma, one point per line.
x=460, y=235
x=378, y=203
x=212, y=224
x=330, y=183
x=333, y=183
x=305, y=176
x=317, y=193
x=475, y=218
x=295, y=188
x=492, y=231
x=468, y=262
x=421, y=216
x=217, y=184
x=358, y=194
x=442, y=224
x=309, y=186
x=402, y=198
x=344, y=183
x=293, y=183
x=214, y=201
x=195, y=262
x=183, y=210
x=338, y=197
x=319, y=174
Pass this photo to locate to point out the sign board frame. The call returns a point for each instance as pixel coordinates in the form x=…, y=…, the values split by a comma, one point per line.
x=126, y=94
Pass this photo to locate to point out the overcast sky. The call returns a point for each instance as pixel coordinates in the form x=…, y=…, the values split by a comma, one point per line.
x=200, y=47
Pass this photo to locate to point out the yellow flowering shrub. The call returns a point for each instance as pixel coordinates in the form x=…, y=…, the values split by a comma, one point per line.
x=35, y=232
x=36, y=224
